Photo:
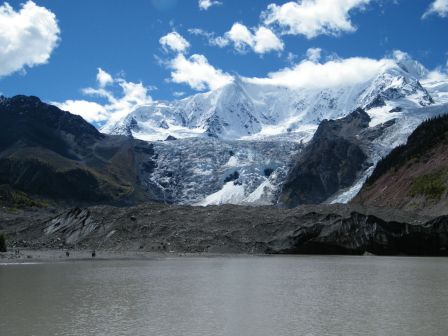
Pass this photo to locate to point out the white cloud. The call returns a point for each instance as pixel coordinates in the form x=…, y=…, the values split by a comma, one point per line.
x=178, y=94
x=314, y=54
x=265, y=41
x=90, y=111
x=27, y=37
x=241, y=36
x=437, y=75
x=313, y=17
x=261, y=41
x=334, y=73
x=206, y=4
x=175, y=42
x=213, y=40
x=132, y=96
x=199, y=32
x=219, y=41
x=197, y=73
x=291, y=58
x=438, y=7
x=103, y=78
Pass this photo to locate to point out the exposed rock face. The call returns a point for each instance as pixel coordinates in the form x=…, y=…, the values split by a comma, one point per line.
x=236, y=229
x=332, y=161
x=360, y=233
x=75, y=224
x=53, y=154
x=413, y=176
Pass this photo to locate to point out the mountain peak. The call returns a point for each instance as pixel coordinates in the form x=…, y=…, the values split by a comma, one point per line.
x=243, y=110
x=410, y=65
x=28, y=115
x=21, y=100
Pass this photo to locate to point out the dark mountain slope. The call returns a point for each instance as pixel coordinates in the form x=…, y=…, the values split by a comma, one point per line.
x=53, y=154
x=30, y=122
x=413, y=176
x=332, y=160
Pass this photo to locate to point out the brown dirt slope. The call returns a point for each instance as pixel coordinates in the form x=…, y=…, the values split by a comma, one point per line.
x=414, y=177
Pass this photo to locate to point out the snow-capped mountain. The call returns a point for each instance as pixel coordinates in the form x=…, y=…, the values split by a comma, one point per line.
x=245, y=110
x=243, y=128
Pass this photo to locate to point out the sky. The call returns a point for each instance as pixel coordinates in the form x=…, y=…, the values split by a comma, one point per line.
x=99, y=58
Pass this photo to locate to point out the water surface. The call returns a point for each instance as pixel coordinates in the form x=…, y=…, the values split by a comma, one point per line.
x=259, y=296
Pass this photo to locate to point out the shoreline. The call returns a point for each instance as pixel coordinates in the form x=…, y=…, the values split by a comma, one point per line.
x=38, y=256
x=54, y=256
x=59, y=256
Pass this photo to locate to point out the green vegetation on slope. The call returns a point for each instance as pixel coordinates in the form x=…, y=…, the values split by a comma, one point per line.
x=430, y=185
x=16, y=199
x=427, y=136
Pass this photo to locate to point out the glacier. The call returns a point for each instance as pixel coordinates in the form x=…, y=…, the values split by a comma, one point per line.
x=237, y=143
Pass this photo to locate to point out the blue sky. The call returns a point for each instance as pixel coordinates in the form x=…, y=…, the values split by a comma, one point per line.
x=122, y=37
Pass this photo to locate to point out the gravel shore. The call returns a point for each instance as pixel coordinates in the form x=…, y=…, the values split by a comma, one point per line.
x=26, y=256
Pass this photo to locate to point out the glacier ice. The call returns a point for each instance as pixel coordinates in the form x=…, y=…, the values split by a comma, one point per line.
x=247, y=128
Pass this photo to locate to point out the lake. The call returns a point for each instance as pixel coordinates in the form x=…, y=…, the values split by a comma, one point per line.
x=275, y=296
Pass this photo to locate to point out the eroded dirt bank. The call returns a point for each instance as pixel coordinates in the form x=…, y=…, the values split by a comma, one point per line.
x=323, y=229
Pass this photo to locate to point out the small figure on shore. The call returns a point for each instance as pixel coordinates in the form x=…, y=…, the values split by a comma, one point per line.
x=93, y=254
x=67, y=254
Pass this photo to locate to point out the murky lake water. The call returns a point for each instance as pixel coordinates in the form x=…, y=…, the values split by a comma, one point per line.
x=272, y=296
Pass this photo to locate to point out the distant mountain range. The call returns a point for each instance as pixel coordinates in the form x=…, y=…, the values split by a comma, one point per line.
x=244, y=143
x=246, y=110
x=249, y=128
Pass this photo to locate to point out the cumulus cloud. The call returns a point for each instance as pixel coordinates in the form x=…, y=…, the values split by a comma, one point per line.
x=438, y=7
x=90, y=111
x=114, y=108
x=333, y=73
x=261, y=40
x=175, y=42
x=313, y=17
x=265, y=41
x=197, y=72
x=241, y=36
x=206, y=4
x=27, y=37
